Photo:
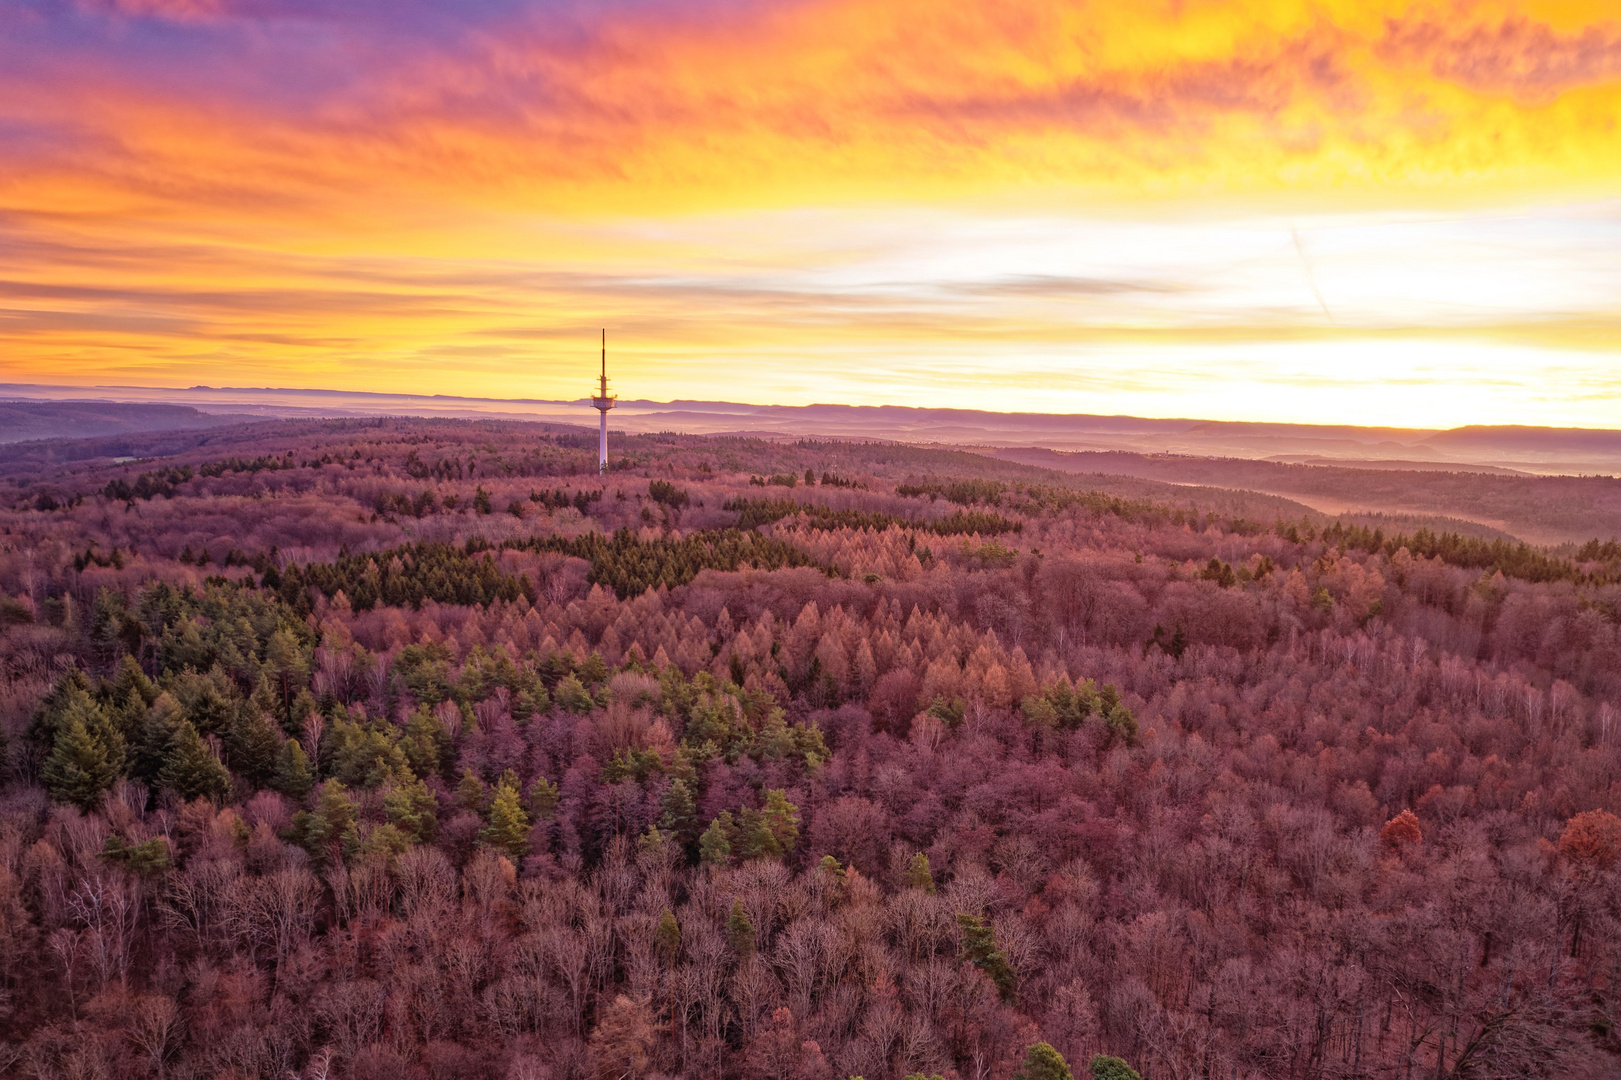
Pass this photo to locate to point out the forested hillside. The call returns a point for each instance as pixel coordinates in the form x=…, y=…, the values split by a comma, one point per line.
x=419, y=749
x=1544, y=509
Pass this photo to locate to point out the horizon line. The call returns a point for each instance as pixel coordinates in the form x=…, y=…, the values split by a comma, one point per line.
x=8, y=389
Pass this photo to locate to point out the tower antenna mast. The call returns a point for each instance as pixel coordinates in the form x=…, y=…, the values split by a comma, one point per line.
x=602, y=402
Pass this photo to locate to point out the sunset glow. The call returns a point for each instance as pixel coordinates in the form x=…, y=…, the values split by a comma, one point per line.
x=1382, y=213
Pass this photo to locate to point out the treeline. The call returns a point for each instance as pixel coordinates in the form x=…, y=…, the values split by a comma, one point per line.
x=752, y=513
x=963, y=491
x=1034, y=498
x=149, y=485
x=403, y=577
x=1515, y=560
x=582, y=499
x=427, y=502
x=262, y=463
x=630, y=564
x=625, y=562
x=162, y=483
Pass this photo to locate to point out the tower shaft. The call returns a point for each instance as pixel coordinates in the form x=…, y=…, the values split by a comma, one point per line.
x=602, y=402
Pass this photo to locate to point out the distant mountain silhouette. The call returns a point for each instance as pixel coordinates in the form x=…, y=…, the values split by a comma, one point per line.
x=21, y=421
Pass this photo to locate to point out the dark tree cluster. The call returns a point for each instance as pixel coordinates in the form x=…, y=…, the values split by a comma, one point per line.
x=630, y=564
x=753, y=513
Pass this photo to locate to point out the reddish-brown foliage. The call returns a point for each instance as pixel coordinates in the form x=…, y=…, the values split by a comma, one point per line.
x=1402, y=830
x=1592, y=839
x=727, y=827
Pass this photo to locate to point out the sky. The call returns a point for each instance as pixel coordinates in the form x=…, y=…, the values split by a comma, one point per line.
x=1359, y=212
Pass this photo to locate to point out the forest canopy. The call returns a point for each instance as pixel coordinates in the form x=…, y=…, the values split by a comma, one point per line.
x=420, y=749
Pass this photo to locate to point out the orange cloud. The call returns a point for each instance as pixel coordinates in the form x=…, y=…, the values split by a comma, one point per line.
x=1528, y=60
x=354, y=194
x=178, y=10
x=644, y=108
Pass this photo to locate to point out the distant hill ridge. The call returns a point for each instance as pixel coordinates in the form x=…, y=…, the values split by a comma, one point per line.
x=21, y=421
x=38, y=412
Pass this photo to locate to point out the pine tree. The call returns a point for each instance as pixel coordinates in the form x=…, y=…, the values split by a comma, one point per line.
x=82, y=764
x=543, y=798
x=1105, y=1067
x=189, y=769
x=570, y=693
x=158, y=729
x=289, y=672
x=1043, y=1062
x=509, y=825
x=253, y=744
x=426, y=742
x=130, y=679
x=979, y=948
x=293, y=771
x=594, y=671
x=411, y=808
x=149, y=857
x=667, y=937
x=332, y=822
x=918, y=874
x=715, y=846
x=778, y=827
x=832, y=876
x=471, y=793
x=1121, y=723
x=740, y=931
x=753, y=840
x=680, y=814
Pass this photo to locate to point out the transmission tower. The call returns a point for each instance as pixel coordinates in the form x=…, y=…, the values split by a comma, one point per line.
x=602, y=402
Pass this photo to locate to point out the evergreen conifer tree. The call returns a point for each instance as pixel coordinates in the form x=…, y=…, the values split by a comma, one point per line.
x=715, y=846
x=331, y=823
x=411, y=808
x=572, y=695
x=1105, y=1067
x=680, y=816
x=543, y=798
x=130, y=679
x=918, y=874
x=189, y=769
x=81, y=765
x=772, y=831
x=979, y=948
x=293, y=770
x=471, y=792
x=1043, y=1062
x=52, y=713
x=740, y=931
x=595, y=669
x=289, y=672
x=253, y=743
x=158, y=729
x=667, y=936
x=425, y=743
x=508, y=829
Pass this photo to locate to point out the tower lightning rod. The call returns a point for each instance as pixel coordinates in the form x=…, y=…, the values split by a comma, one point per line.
x=602, y=402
